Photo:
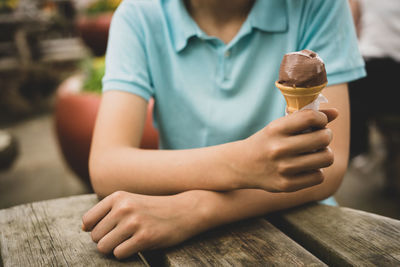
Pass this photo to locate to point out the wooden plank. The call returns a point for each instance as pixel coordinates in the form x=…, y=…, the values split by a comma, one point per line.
x=249, y=243
x=49, y=233
x=342, y=236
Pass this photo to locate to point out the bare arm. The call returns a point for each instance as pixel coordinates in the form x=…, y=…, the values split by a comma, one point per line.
x=116, y=162
x=274, y=159
x=125, y=223
x=239, y=204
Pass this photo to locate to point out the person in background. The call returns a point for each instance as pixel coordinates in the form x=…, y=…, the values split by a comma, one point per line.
x=227, y=152
x=375, y=97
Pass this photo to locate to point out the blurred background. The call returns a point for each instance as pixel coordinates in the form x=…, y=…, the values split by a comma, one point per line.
x=51, y=65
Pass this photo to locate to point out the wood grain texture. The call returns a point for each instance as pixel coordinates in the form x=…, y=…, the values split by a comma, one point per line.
x=342, y=236
x=249, y=243
x=49, y=233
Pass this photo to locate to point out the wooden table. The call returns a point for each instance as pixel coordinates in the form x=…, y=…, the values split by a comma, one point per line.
x=48, y=233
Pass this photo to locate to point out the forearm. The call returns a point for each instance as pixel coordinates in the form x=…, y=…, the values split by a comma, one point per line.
x=116, y=163
x=154, y=222
x=275, y=159
x=226, y=207
x=161, y=172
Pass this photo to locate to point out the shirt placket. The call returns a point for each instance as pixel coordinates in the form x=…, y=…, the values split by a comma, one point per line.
x=224, y=67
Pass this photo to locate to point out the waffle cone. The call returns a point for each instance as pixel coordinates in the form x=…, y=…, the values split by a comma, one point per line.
x=298, y=97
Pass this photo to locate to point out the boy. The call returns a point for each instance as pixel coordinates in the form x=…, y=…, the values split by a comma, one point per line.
x=227, y=152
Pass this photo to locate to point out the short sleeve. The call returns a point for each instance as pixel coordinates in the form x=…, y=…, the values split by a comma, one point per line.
x=328, y=29
x=126, y=60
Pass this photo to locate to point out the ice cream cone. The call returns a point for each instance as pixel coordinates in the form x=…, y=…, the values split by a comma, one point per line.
x=298, y=97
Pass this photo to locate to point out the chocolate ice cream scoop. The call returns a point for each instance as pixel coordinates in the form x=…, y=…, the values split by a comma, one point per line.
x=302, y=69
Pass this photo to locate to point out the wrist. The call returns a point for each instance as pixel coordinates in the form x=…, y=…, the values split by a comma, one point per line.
x=202, y=209
x=234, y=158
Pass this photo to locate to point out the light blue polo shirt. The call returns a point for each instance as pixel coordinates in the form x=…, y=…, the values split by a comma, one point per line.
x=207, y=92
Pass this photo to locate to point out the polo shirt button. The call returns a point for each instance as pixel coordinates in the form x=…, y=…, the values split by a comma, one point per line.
x=227, y=53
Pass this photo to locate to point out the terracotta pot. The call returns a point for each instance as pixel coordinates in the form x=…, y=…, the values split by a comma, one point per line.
x=9, y=150
x=75, y=115
x=94, y=31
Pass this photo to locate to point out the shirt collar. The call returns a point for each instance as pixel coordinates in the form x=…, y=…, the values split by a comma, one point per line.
x=269, y=15
x=265, y=15
x=181, y=25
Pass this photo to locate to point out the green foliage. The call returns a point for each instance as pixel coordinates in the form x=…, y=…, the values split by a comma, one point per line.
x=8, y=5
x=101, y=6
x=94, y=69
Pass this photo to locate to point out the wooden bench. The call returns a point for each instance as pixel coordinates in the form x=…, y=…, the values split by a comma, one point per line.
x=48, y=233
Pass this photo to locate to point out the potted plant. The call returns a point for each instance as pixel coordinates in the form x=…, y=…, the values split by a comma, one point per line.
x=77, y=102
x=8, y=5
x=93, y=24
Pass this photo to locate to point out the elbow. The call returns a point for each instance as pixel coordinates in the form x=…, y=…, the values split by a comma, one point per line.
x=333, y=179
x=325, y=193
x=98, y=175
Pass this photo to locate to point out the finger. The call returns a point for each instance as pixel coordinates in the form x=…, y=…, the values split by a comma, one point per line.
x=304, y=120
x=95, y=214
x=114, y=238
x=303, y=180
x=131, y=246
x=331, y=113
x=104, y=226
x=308, y=162
x=308, y=142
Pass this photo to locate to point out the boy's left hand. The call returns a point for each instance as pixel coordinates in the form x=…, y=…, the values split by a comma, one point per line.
x=126, y=223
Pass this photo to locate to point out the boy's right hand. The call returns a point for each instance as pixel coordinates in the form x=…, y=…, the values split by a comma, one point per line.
x=285, y=156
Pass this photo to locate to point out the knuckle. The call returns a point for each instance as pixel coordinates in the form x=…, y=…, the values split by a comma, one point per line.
x=118, y=195
x=285, y=185
x=133, y=223
x=329, y=133
x=314, y=117
x=318, y=177
x=95, y=236
x=275, y=150
x=280, y=169
x=102, y=248
x=119, y=253
x=330, y=158
x=145, y=237
x=326, y=137
x=124, y=208
x=273, y=128
x=283, y=168
x=310, y=116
